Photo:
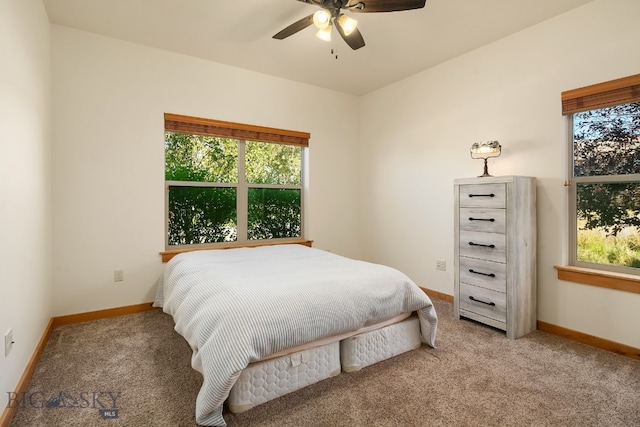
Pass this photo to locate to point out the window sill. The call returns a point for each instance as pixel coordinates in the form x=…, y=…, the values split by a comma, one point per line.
x=167, y=255
x=605, y=279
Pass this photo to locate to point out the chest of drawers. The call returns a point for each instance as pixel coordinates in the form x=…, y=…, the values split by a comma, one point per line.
x=495, y=252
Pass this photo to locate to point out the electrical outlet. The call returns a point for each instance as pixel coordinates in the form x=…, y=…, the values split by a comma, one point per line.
x=118, y=275
x=441, y=265
x=8, y=342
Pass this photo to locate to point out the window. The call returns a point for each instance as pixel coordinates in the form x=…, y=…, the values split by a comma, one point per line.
x=228, y=182
x=605, y=175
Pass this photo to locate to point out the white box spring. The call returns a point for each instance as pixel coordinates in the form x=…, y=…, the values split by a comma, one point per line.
x=371, y=347
x=266, y=380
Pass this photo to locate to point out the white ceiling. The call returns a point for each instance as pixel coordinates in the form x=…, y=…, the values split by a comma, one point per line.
x=239, y=33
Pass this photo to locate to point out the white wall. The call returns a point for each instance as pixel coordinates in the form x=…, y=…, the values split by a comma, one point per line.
x=109, y=98
x=418, y=132
x=25, y=199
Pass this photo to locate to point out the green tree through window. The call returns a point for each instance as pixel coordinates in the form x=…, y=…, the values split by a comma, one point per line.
x=226, y=189
x=606, y=172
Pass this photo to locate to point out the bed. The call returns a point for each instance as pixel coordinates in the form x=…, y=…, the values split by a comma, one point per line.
x=238, y=307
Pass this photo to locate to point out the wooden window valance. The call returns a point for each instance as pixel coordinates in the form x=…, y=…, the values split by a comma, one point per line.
x=607, y=94
x=209, y=127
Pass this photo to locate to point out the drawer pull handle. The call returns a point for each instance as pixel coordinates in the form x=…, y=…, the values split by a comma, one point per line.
x=471, y=270
x=492, y=304
x=482, y=195
x=481, y=219
x=481, y=244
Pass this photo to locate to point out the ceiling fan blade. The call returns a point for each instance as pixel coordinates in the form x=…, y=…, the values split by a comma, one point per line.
x=295, y=27
x=371, y=6
x=354, y=40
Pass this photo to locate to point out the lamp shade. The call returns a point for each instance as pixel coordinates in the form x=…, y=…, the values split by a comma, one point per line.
x=324, y=34
x=485, y=149
x=321, y=19
x=347, y=24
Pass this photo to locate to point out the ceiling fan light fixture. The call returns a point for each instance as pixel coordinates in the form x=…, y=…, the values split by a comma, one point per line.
x=347, y=24
x=324, y=34
x=330, y=14
x=322, y=19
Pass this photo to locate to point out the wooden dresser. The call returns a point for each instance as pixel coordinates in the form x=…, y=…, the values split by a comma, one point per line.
x=495, y=253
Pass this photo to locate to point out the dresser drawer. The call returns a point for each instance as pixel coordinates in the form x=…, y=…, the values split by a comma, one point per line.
x=484, y=302
x=489, y=246
x=486, y=274
x=483, y=196
x=489, y=220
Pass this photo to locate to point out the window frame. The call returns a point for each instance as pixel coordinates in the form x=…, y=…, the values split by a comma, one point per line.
x=241, y=133
x=615, y=92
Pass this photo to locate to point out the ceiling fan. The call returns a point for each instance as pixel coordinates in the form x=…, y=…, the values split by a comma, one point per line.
x=331, y=15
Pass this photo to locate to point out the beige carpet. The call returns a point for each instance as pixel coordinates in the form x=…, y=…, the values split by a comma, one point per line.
x=136, y=368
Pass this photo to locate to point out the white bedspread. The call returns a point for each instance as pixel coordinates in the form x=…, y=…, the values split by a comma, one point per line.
x=236, y=306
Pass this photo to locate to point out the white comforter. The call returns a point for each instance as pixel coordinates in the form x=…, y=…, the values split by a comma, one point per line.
x=238, y=306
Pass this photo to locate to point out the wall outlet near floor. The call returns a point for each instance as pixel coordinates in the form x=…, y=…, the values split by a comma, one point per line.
x=441, y=265
x=8, y=342
x=118, y=275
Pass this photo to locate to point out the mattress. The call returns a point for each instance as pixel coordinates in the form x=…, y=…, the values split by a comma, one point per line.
x=375, y=346
x=266, y=380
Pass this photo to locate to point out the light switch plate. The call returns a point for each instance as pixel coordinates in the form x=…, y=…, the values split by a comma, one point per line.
x=8, y=342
